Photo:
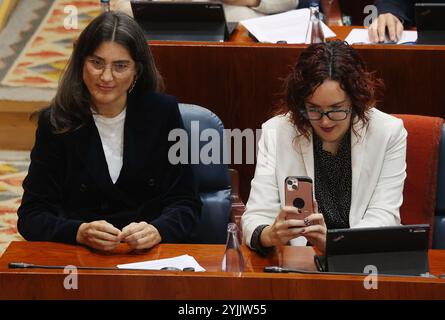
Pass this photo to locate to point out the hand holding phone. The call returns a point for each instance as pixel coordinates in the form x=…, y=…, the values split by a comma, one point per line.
x=298, y=194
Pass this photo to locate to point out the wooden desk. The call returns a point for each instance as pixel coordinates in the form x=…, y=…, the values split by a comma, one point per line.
x=241, y=81
x=213, y=284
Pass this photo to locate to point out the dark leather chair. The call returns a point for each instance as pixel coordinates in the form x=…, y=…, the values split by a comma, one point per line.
x=214, y=180
x=439, y=224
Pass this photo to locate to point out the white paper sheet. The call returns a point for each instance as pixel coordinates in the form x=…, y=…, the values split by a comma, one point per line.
x=360, y=36
x=179, y=262
x=290, y=26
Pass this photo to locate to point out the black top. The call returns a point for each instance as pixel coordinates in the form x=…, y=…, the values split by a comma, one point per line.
x=402, y=9
x=68, y=182
x=333, y=180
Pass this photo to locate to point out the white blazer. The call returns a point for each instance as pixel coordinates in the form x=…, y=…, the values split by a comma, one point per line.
x=239, y=13
x=378, y=160
x=235, y=13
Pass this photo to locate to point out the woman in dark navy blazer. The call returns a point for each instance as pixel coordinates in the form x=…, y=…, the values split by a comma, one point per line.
x=100, y=173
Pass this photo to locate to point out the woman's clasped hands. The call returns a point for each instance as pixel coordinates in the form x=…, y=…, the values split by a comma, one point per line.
x=102, y=235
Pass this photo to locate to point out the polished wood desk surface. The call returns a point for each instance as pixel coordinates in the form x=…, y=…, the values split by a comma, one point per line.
x=213, y=284
x=208, y=256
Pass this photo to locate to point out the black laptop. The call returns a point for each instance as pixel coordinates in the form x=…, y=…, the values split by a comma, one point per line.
x=397, y=250
x=430, y=22
x=181, y=21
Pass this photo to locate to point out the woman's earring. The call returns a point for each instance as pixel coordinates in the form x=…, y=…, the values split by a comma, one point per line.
x=132, y=86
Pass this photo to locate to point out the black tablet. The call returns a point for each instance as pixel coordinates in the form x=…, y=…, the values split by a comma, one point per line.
x=430, y=23
x=181, y=20
x=395, y=250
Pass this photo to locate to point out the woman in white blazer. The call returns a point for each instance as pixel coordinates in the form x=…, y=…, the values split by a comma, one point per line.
x=329, y=130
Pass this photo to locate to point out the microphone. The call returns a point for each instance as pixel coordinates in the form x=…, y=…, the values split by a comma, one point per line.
x=24, y=265
x=20, y=265
x=276, y=269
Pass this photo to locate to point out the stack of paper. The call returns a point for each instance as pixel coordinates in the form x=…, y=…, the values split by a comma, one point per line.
x=360, y=36
x=180, y=262
x=290, y=27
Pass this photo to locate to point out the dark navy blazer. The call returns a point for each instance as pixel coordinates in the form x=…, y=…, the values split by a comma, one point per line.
x=68, y=182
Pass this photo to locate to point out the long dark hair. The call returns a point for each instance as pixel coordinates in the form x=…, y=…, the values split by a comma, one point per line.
x=70, y=108
x=334, y=60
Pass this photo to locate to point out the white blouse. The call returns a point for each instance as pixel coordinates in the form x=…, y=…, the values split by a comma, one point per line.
x=111, y=131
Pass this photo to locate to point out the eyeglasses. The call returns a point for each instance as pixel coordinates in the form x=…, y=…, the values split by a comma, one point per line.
x=334, y=115
x=98, y=66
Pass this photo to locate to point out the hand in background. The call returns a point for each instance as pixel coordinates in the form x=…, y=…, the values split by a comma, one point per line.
x=99, y=235
x=140, y=235
x=376, y=31
x=282, y=230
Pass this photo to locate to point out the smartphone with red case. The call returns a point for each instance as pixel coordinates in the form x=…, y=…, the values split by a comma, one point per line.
x=298, y=193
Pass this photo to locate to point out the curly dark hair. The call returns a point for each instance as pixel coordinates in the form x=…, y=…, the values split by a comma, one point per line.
x=334, y=60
